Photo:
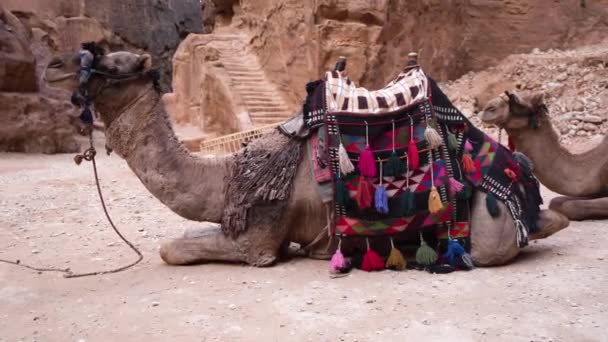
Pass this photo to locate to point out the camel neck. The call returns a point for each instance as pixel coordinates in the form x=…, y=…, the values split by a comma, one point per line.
x=556, y=167
x=141, y=132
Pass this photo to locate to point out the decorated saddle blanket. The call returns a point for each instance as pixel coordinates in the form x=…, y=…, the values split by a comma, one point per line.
x=409, y=162
x=343, y=96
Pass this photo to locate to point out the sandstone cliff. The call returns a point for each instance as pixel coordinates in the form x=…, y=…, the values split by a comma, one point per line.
x=297, y=40
x=34, y=118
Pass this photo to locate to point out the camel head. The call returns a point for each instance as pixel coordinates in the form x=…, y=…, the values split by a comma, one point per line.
x=514, y=111
x=93, y=76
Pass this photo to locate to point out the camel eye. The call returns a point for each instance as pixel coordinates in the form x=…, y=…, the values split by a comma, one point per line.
x=490, y=109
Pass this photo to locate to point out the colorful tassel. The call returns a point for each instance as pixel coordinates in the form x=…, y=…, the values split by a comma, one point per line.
x=452, y=142
x=395, y=167
x=425, y=255
x=413, y=157
x=381, y=197
x=468, y=146
x=338, y=264
x=492, y=205
x=514, y=166
x=454, y=253
x=342, y=194
x=435, y=204
x=512, y=175
x=372, y=261
x=346, y=166
x=465, y=193
x=395, y=260
x=407, y=203
x=364, y=193
x=381, y=200
x=367, y=164
x=455, y=186
x=432, y=137
x=467, y=260
x=467, y=163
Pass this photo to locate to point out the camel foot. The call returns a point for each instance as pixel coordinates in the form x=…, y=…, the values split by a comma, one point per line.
x=578, y=209
x=549, y=223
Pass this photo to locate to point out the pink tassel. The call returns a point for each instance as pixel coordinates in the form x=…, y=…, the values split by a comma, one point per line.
x=455, y=186
x=338, y=263
x=412, y=155
x=468, y=146
x=367, y=164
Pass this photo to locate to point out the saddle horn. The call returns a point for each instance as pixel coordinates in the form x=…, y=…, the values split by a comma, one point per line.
x=341, y=64
x=412, y=60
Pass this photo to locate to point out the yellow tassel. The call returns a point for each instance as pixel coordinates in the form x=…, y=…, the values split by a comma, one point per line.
x=435, y=204
x=395, y=260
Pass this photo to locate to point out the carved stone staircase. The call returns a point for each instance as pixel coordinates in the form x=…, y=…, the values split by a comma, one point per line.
x=260, y=97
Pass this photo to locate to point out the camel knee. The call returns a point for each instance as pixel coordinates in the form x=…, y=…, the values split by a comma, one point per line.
x=549, y=223
x=494, y=255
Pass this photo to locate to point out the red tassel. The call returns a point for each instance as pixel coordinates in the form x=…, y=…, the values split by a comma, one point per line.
x=514, y=166
x=467, y=163
x=372, y=261
x=511, y=144
x=413, y=158
x=367, y=164
x=364, y=194
x=512, y=175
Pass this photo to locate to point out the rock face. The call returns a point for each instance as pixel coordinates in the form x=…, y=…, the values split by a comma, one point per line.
x=31, y=31
x=17, y=63
x=29, y=120
x=220, y=87
x=297, y=40
x=33, y=123
x=156, y=27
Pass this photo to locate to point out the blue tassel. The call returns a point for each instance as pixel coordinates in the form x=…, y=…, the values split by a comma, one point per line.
x=454, y=253
x=381, y=200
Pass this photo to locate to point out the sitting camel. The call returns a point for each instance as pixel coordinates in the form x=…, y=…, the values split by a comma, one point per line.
x=583, y=178
x=138, y=129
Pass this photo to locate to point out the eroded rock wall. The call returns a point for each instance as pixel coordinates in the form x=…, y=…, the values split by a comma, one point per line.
x=296, y=40
x=32, y=31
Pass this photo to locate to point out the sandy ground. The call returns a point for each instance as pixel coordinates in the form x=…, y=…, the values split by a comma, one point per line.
x=50, y=216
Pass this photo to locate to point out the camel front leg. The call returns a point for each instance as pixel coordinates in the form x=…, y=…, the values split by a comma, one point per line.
x=578, y=209
x=258, y=246
x=549, y=223
x=201, y=245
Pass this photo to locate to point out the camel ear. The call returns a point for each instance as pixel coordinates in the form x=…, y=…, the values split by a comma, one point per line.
x=145, y=62
x=537, y=99
x=516, y=105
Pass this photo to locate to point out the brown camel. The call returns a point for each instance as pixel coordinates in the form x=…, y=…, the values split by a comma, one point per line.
x=138, y=129
x=583, y=178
